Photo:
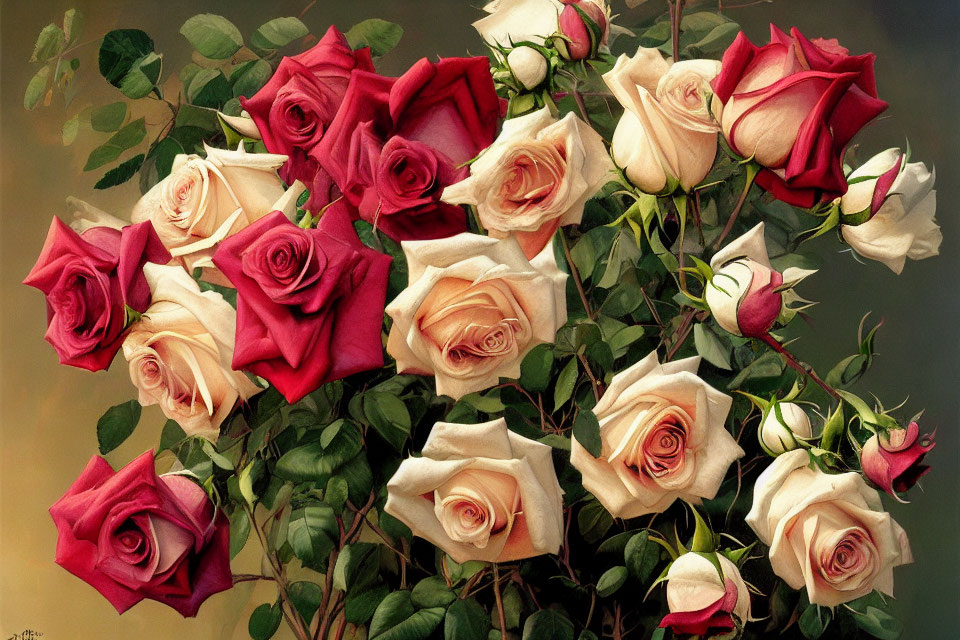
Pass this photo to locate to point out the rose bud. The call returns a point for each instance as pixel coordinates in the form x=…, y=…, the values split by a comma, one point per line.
x=746, y=294
x=584, y=23
x=132, y=535
x=783, y=423
x=893, y=460
x=700, y=602
x=528, y=65
x=890, y=216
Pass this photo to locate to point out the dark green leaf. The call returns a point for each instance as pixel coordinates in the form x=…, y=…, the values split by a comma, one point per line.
x=249, y=77
x=212, y=36
x=119, y=50
x=710, y=347
x=586, y=429
x=611, y=580
x=171, y=436
x=466, y=620
x=593, y=521
x=108, y=117
x=548, y=624
x=381, y=36
x=209, y=88
x=311, y=533
x=360, y=604
x=306, y=597
x=536, y=367
x=432, y=591
x=358, y=565
x=129, y=136
x=396, y=619
x=117, y=424
x=142, y=77
x=565, y=383
x=389, y=416
x=239, y=531
x=641, y=555
x=278, y=32
x=264, y=622
x=813, y=621
x=121, y=173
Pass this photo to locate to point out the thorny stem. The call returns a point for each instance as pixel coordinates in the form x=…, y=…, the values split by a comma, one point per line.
x=576, y=276
x=597, y=389
x=249, y=577
x=676, y=13
x=752, y=171
x=539, y=406
x=680, y=335
x=800, y=368
x=496, y=595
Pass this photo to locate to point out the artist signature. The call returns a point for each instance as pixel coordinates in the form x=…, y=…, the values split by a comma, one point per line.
x=26, y=634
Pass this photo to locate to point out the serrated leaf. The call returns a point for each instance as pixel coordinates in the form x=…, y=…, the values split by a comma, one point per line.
x=264, y=622
x=611, y=580
x=36, y=88
x=548, y=624
x=119, y=50
x=381, y=36
x=50, y=42
x=466, y=620
x=278, y=32
x=129, y=136
x=396, y=619
x=586, y=429
x=311, y=533
x=108, y=117
x=117, y=424
x=212, y=36
x=641, y=555
x=121, y=173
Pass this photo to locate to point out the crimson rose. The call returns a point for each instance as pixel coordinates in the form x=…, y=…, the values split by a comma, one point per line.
x=793, y=105
x=397, y=142
x=309, y=302
x=87, y=280
x=132, y=535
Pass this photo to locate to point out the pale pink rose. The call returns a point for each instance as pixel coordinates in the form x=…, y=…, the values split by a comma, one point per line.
x=180, y=353
x=480, y=492
x=535, y=177
x=663, y=438
x=204, y=200
x=666, y=136
x=893, y=460
x=826, y=532
x=473, y=308
x=703, y=602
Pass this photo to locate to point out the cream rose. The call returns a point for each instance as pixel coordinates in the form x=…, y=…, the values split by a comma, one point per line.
x=528, y=66
x=204, y=200
x=826, y=532
x=179, y=353
x=779, y=432
x=899, y=205
x=663, y=438
x=667, y=135
x=511, y=21
x=535, y=177
x=473, y=308
x=701, y=601
x=480, y=492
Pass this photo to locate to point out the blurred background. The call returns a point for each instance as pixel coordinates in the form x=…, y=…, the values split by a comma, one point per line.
x=49, y=411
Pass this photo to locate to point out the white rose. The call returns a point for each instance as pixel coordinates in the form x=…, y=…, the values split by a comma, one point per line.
x=204, y=200
x=663, y=438
x=666, y=135
x=828, y=533
x=473, y=308
x=703, y=603
x=480, y=492
x=528, y=65
x=535, y=177
x=779, y=433
x=900, y=203
x=180, y=353
x=512, y=21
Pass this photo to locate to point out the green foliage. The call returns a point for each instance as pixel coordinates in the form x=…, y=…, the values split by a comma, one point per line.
x=381, y=36
x=117, y=424
x=264, y=621
x=127, y=137
x=212, y=36
x=278, y=33
x=120, y=50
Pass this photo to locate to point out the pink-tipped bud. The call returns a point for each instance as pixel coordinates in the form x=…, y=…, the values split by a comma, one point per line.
x=584, y=38
x=893, y=460
x=744, y=299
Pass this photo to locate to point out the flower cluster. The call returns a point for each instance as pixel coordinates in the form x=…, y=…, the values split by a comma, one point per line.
x=439, y=325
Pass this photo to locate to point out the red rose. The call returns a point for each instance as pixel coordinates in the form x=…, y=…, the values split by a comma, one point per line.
x=793, y=105
x=294, y=108
x=893, y=460
x=309, y=302
x=397, y=142
x=87, y=280
x=134, y=535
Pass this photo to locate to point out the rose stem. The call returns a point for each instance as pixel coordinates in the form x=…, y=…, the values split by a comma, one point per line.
x=752, y=170
x=680, y=335
x=341, y=628
x=499, y=599
x=597, y=391
x=581, y=105
x=248, y=577
x=290, y=613
x=676, y=12
x=793, y=362
x=576, y=275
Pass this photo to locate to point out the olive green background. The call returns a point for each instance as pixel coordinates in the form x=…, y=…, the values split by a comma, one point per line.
x=49, y=411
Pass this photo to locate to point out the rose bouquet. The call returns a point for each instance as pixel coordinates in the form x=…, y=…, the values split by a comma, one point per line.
x=496, y=348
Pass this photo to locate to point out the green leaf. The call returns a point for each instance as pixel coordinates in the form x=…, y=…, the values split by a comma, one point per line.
x=121, y=173
x=586, y=429
x=710, y=347
x=389, y=416
x=72, y=25
x=129, y=136
x=536, y=367
x=396, y=619
x=249, y=77
x=171, y=436
x=306, y=597
x=593, y=521
x=212, y=36
x=381, y=36
x=108, y=117
x=360, y=604
x=239, y=531
x=466, y=620
x=264, y=622
x=611, y=580
x=641, y=555
x=432, y=591
x=565, y=383
x=68, y=133
x=142, y=77
x=120, y=49
x=311, y=534
x=548, y=624
x=278, y=32
x=624, y=338
x=209, y=88
x=358, y=565
x=117, y=424
x=878, y=623
x=216, y=457
x=512, y=606
x=36, y=88
x=813, y=621
x=314, y=462
x=50, y=42
x=336, y=493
